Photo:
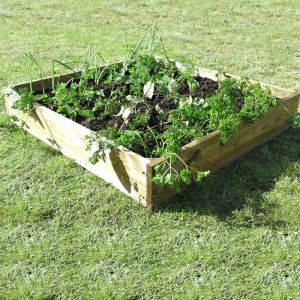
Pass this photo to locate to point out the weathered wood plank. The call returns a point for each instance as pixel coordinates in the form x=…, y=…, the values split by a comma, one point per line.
x=47, y=82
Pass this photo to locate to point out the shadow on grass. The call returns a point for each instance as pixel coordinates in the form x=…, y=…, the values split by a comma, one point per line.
x=235, y=194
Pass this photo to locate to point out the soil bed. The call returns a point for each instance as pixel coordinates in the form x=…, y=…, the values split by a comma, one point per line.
x=155, y=109
x=207, y=87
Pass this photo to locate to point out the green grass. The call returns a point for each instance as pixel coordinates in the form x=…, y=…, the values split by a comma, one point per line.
x=66, y=234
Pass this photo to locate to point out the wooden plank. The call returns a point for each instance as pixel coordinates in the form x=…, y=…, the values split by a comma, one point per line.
x=47, y=82
x=122, y=168
x=38, y=84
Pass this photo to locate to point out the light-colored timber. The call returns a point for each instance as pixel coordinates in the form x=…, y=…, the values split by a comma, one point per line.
x=132, y=173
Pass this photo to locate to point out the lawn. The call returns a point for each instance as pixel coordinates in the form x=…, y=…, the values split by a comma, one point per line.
x=66, y=234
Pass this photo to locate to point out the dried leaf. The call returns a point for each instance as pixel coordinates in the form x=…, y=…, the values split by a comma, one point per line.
x=149, y=89
x=126, y=113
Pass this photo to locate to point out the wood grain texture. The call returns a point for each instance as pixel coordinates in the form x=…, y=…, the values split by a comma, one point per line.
x=47, y=82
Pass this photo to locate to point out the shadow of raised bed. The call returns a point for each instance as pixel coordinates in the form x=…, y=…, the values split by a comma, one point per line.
x=242, y=184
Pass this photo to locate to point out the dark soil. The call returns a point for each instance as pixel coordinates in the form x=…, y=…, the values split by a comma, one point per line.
x=207, y=87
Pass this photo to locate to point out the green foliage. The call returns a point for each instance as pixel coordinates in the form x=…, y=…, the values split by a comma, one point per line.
x=257, y=101
x=201, y=176
x=237, y=101
x=66, y=101
x=294, y=120
x=26, y=101
x=153, y=107
x=185, y=175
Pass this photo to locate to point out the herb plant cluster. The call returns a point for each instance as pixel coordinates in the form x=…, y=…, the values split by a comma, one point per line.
x=153, y=106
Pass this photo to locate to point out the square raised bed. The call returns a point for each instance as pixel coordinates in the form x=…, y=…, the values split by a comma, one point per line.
x=132, y=173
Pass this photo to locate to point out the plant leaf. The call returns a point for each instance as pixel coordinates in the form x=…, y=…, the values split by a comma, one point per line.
x=126, y=113
x=87, y=113
x=149, y=89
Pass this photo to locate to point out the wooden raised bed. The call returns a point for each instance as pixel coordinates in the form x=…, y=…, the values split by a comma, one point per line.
x=132, y=173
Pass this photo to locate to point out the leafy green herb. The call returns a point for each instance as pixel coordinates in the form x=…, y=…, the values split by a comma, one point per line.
x=26, y=101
